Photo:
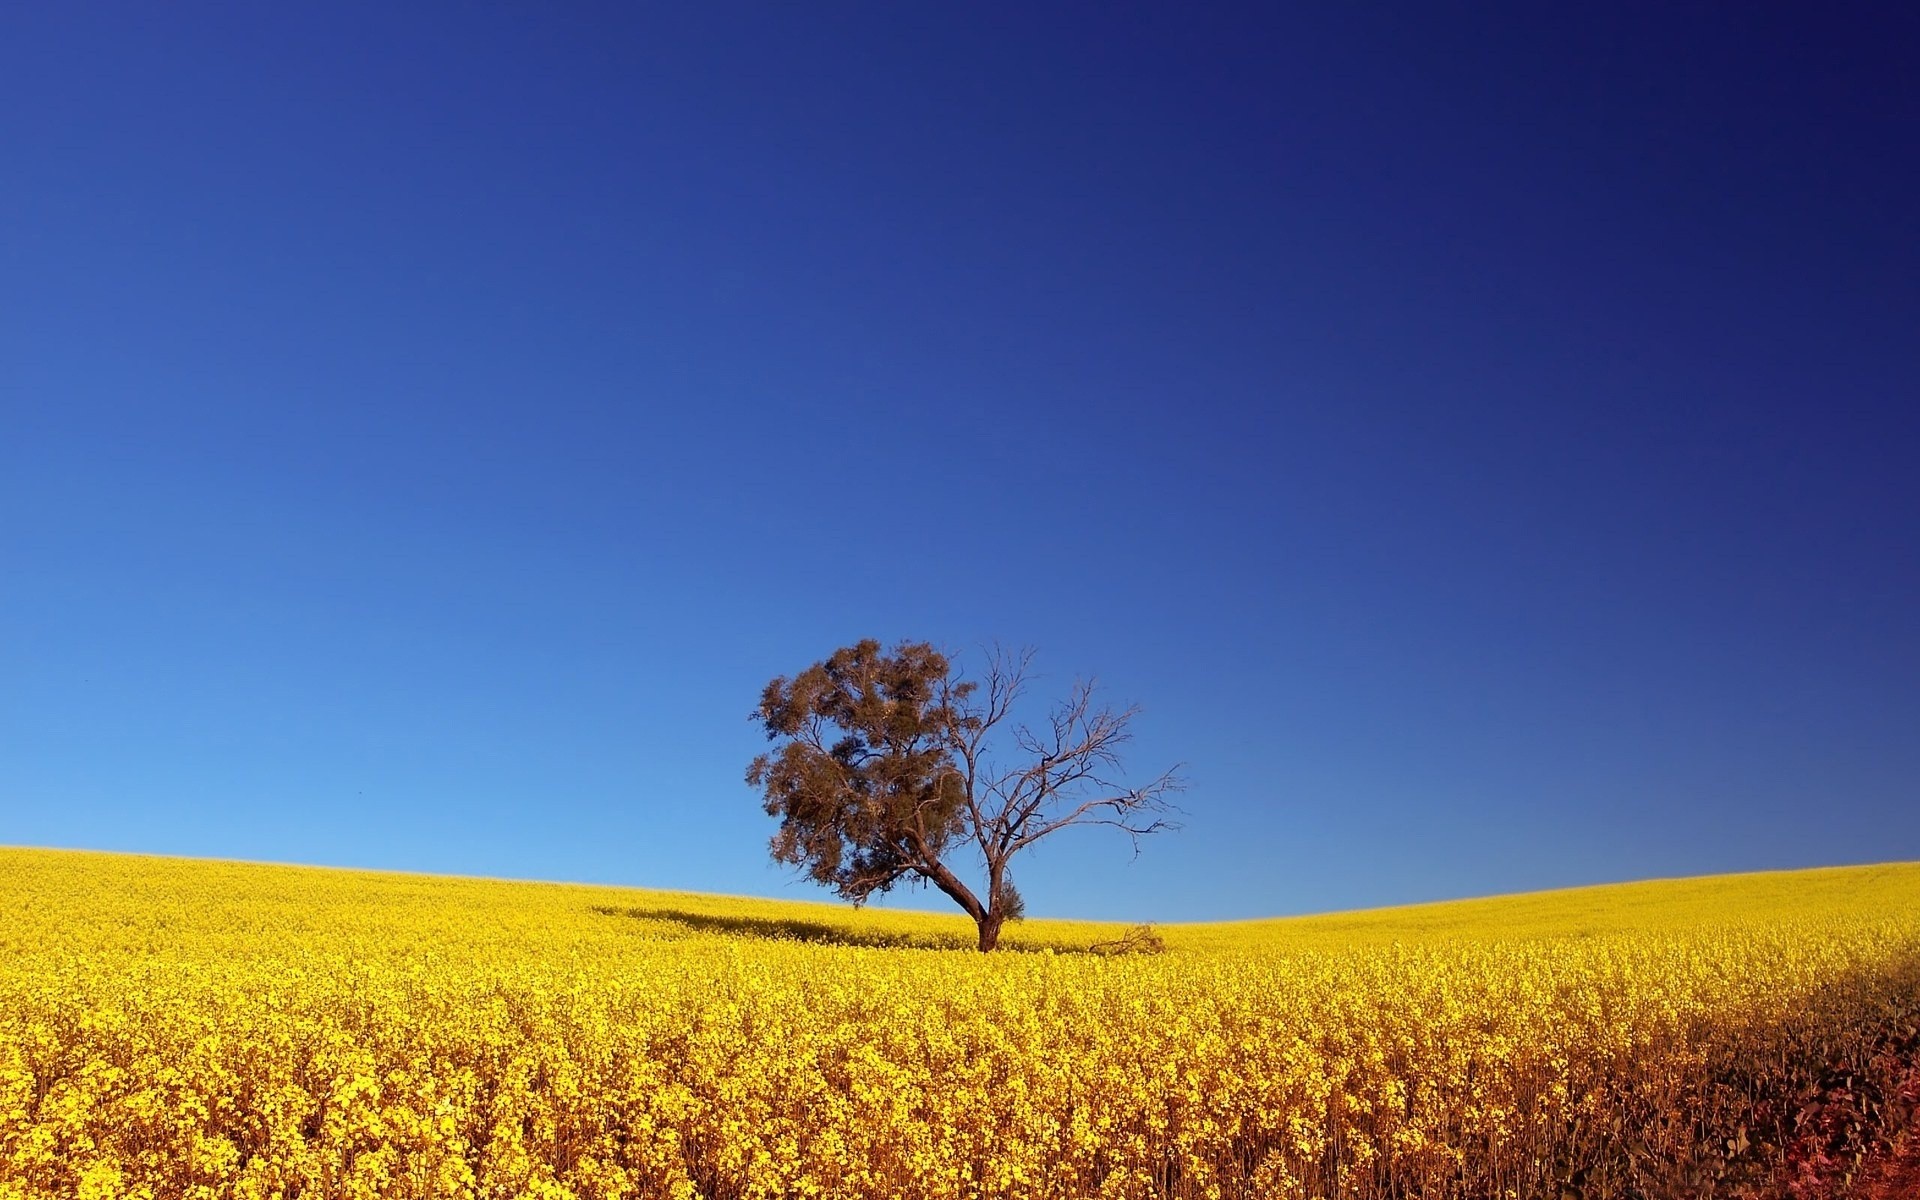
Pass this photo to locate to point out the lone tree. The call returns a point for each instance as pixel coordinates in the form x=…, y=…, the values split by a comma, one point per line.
x=885, y=772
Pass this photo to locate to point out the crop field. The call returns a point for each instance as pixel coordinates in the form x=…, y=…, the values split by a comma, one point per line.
x=171, y=1028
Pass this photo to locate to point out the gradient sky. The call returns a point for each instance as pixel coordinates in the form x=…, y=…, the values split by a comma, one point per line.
x=1484, y=441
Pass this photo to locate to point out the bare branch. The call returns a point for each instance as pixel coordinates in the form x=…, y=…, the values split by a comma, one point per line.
x=1067, y=782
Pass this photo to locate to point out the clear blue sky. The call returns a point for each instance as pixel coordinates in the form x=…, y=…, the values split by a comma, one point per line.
x=1484, y=441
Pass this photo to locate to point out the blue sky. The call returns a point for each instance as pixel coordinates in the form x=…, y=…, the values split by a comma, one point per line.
x=1484, y=442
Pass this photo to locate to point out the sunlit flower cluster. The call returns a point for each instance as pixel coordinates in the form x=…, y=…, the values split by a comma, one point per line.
x=196, y=1030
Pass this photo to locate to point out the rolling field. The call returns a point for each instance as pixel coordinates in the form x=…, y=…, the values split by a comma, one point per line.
x=173, y=1028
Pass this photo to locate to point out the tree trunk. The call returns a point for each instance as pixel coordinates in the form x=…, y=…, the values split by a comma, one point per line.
x=956, y=891
x=989, y=923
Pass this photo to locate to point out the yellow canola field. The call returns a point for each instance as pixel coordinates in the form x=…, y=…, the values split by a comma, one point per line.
x=172, y=1028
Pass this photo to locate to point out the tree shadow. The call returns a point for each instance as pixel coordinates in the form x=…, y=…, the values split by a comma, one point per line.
x=788, y=929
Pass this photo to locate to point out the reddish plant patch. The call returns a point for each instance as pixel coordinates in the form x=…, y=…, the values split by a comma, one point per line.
x=1895, y=1173
x=1856, y=1135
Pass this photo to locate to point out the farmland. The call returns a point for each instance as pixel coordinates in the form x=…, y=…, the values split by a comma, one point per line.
x=174, y=1028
